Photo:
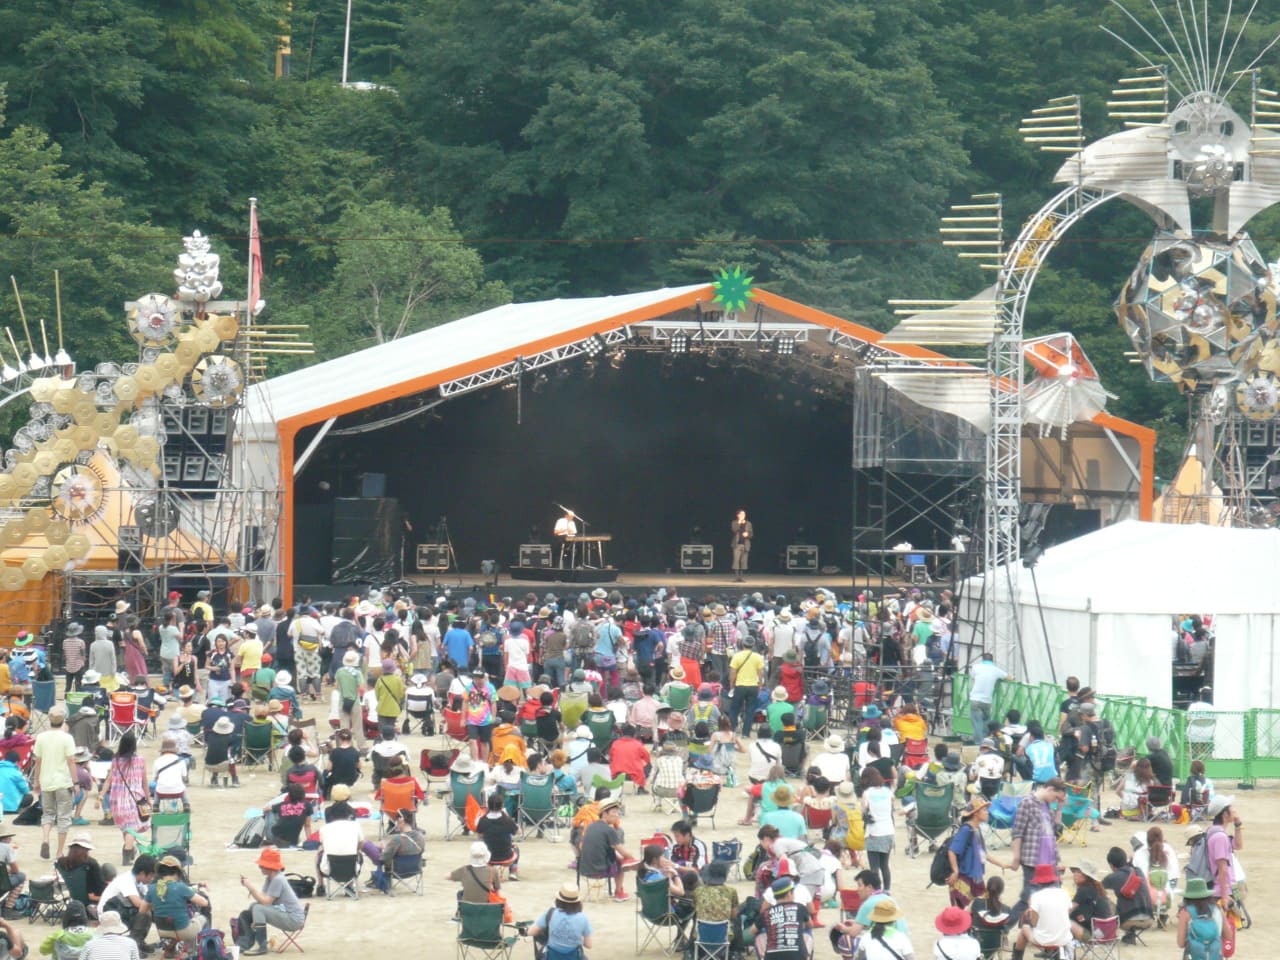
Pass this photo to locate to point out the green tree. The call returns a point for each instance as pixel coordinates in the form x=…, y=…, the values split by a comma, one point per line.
x=396, y=271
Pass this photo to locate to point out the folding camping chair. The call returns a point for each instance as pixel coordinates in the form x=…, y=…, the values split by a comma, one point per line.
x=289, y=938
x=730, y=852
x=44, y=694
x=537, y=810
x=815, y=722
x=405, y=871
x=701, y=801
x=481, y=930
x=455, y=806
x=124, y=714
x=455, y=727
x=818, y=818
x=930, y=817
x=603, y=727
x=259, y=744
x=48, y=897
x=1155, y=804
x=711, y=940
x=991, y=938
x=1078, y=814
x=915, y=753
x=656, y=921
x=1104, y=943
x=436, y=764
x=665, y=783
x=169, y=832
x=344, y=875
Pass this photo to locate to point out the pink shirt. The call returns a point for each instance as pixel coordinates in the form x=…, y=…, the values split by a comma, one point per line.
x=1220, y=848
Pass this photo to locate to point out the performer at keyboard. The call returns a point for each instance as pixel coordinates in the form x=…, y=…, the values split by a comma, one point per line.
x=741, y=547
x=567, y=526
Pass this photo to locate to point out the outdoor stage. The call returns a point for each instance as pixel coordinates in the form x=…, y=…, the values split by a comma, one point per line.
x=689, y=584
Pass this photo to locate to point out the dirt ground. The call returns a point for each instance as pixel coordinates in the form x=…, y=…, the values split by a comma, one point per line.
x=423, y=924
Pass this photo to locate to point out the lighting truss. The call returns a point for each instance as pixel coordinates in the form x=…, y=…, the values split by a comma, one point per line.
x=505, y=371
x=674, y=332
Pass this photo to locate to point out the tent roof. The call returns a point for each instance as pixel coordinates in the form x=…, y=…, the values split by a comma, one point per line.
x=1137, y=567
x=514, y=328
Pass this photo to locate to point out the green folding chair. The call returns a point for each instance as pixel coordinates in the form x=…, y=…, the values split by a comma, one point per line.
x=656, y=921
x=482, y=932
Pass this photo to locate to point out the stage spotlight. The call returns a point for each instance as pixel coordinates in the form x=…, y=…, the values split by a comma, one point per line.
x=786, y=345
x=595, y=345
x=616, y=358
x=680, y=342
x=540, y=382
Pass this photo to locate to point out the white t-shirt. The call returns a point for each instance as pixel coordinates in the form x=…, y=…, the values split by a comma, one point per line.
x=834, y=766
x=879, y=804
x=895, y=939
x=764, y=754
x=167, y=773
x=518, y=653
x=1052, y=906
x=989, y=766
x=963, y=947
x=123, y=886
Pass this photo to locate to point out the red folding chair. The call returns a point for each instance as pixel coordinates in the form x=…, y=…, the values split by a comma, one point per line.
x=915, y=753
x=818, y=818
x=289, y=938
x=437, y=763
x=124, y=714
x=455, y=725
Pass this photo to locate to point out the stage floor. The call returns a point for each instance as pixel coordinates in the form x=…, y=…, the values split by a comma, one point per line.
x=690, y=584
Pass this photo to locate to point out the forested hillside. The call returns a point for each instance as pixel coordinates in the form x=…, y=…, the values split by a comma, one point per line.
x=539, y=148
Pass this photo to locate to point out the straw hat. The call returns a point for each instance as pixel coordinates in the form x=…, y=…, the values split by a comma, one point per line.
x=677, y=672
x=976, y=805
x=835, y=743
x=270, y=859
x=185, y=692
x=569, y=893
x=224, y=726
x=784, y=615
x=350, y=659
x=340, y=793
x=509, y=693
x=845, y=789
x=122, y=607
x=779, y=695
x=885, y=911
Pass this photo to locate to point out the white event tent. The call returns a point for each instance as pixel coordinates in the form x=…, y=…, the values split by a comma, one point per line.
x=1107, y=599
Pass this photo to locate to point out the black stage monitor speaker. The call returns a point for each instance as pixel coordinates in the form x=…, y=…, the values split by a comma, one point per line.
x=802, y=558
x=373, y=484
x=696, y=557
x=535, y=555
x=433, y=557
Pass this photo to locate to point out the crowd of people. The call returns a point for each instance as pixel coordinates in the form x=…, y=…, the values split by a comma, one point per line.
x=687, y=702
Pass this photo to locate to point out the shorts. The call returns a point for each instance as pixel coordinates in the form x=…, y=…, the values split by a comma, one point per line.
x=481, y=733
x=55, y=808
x=517, y=677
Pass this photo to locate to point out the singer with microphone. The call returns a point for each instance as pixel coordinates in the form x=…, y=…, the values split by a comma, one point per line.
x=741, y=547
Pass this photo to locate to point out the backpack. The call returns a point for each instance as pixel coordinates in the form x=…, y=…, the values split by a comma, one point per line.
x=1104, y=753
x=212, y=945
x=812, y=656
x=251, y=835
x=1204, y=939
x=1198, y=864
x=940, y=867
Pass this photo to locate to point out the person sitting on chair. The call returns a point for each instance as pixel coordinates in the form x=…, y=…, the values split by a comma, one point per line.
x=275, y=904
x=1047, y=920
x=126, y=895
x=406, y=840
x=566, y=927
x=171, y=899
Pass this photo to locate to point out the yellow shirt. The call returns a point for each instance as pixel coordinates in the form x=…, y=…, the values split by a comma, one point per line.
x=911, y=726
x=749, y=665
x=250, y=654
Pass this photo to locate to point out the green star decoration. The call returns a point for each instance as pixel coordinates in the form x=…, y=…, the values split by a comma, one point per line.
x=733, y=289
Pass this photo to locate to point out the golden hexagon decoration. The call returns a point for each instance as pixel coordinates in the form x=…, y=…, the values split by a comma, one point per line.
x=207, y=340
x=126, y=437
x=37, y=520
x=24, y=475
x=85, y=438
x=11, y=579
x=147, y=450
x=226, y=326
x=44, y=462
x=85, y=409
x=42, y=389
x=58, y=531
x=64, y=448
x=105, y=424
x=186, y=353
x=126, y=388
x=77, y=546
x=167, y=365
x=57, y=557
x=64, y=399
x=13, y=533
x=8, y=489
x=34, y=568
x=148, y=379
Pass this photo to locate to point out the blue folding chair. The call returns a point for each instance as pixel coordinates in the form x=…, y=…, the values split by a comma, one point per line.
x=44, y=694
x=711, y=940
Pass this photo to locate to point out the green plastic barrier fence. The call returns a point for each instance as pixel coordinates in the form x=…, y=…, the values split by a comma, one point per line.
x=961, y=726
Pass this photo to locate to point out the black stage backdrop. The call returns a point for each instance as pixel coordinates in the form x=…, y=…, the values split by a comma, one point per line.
x=645, y=452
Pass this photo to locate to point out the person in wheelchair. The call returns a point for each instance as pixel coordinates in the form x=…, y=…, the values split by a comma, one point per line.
x=175, y=904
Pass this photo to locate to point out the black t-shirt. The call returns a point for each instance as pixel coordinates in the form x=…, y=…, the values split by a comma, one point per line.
x=1129, y=907
x=784, y=929
x=1088, y=904
x=343, y=763
x=497, y=834
x=289, y=820
x=884, y=766
x=217, y=748
x=1161, y=768
x=598, y=855
x=549, y=725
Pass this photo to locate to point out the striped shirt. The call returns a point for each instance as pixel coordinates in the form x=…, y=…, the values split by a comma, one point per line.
x=73, y=654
